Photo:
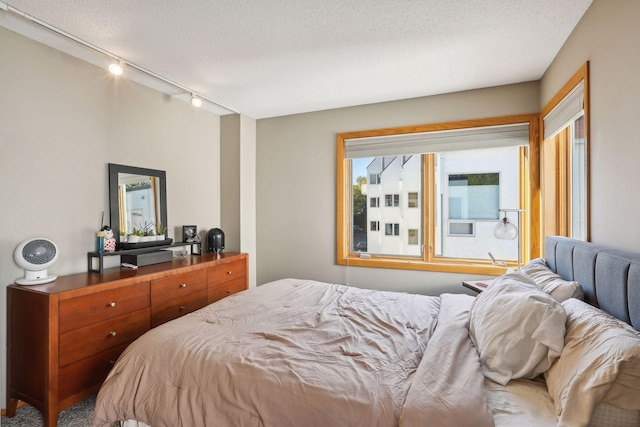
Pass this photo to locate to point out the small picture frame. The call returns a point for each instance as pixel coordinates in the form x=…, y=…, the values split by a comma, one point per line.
x=189, y=233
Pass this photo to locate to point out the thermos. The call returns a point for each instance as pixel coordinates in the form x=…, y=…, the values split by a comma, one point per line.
x=100, y=241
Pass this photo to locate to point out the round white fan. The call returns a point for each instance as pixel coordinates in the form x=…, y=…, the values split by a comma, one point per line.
x=35, y=256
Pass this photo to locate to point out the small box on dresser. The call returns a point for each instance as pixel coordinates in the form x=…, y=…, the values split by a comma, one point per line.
x=147, y=258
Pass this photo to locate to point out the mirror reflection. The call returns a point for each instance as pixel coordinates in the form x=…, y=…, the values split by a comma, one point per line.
x=138, y=202
x=137, y=198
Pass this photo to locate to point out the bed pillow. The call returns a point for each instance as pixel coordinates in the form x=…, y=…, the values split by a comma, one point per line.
x=600, y=362
x=550, y=282
x=517, y=329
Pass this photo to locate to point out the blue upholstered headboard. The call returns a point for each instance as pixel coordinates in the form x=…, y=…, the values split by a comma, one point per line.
x=609, y=277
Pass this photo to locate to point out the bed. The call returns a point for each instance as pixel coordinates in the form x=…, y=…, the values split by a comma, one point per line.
x=305, y=353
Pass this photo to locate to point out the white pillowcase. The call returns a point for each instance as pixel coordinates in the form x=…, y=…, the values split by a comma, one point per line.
x=600, y=362
x=550, y=282
x=518, y=329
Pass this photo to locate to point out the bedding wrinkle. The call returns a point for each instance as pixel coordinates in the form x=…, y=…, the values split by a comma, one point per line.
x=520, y=403
x=315, y=355
x=448, y=387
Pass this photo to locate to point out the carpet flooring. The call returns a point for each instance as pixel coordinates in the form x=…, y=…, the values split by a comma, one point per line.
x=79, y=415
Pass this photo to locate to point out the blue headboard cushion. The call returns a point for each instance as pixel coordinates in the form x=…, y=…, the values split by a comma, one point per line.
x=610, y=278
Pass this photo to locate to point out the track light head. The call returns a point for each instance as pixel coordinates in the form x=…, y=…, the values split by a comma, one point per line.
x=195, y=101
x=116, y=69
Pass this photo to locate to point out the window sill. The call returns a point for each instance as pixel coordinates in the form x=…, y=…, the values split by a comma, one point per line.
x=444, y=265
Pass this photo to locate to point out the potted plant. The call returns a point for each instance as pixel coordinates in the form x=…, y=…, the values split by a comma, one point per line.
x=135, y=236
x=123, y=236
x=160, y=231
x=148, y=232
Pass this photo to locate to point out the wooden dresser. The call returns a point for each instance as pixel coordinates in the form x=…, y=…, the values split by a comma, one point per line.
x=63, y=337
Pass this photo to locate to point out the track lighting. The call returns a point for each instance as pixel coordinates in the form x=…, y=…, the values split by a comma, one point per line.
x=195, y=101
x=116, y=69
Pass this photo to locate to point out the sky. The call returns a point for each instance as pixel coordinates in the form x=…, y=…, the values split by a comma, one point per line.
x=359, y=167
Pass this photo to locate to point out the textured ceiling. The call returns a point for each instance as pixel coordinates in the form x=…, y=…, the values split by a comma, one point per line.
x=268, y=58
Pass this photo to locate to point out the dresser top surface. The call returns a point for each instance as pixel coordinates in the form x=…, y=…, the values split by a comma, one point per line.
x=130, y=276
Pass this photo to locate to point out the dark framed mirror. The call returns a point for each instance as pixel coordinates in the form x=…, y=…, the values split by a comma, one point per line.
x=137, y=199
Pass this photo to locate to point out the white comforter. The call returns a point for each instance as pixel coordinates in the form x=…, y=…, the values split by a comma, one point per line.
x=303, y=353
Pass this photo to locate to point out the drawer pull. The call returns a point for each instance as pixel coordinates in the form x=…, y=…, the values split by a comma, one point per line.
x=228, y=291
x=229, y=272
x=183, y=285
x=113, y=333
x=112, y=362
x=112, y=304
x=183, y=308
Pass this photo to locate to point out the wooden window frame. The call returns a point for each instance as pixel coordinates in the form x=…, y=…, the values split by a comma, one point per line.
x=558, y=221
x=529, y=200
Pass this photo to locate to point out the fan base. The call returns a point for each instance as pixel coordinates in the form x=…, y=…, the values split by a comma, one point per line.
x=38, y=281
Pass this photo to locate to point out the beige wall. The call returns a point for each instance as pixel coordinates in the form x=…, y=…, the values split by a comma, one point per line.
x=230, y=135
x=238, y=186
x=61, y=121
x=607, y=37
x=296, y=183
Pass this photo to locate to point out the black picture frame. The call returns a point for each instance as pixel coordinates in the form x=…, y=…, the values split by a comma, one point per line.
x=189, y=233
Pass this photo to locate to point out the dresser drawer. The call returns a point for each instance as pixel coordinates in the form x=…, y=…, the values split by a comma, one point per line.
x=93, y=339
x=163, y=290
x=174, y=308
x=86, y=373
x=221, y=290
x=224, y=273
x=85, y=310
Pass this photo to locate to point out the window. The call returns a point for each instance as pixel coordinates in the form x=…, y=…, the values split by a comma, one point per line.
x=412, y=200
x=455, y=177
x=375, y=226
x=564, y=161
x=374, y=202
x=392, y=200
x=474, y=196
x=413, y=236
x=461, y=228
x=374, y=178
x=392, y=229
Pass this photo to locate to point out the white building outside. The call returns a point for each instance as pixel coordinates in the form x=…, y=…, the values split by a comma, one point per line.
x=466, y=207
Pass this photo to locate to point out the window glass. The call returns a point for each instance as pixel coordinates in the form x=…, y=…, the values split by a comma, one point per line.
x=399, y=176
x=579, y=179
x=413, y=199
x=474, y=196
x=471, y=186
x=413, y=236
x=392, y=229
x=391, y=200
